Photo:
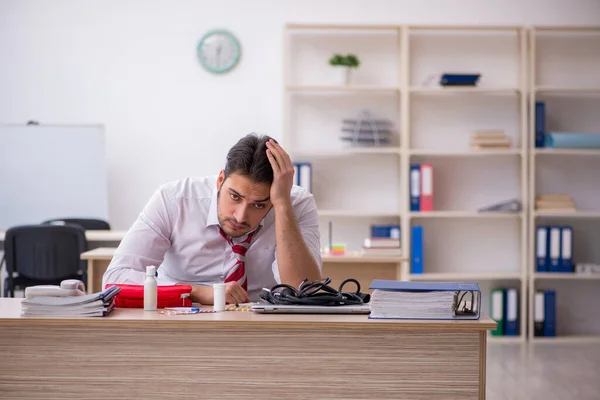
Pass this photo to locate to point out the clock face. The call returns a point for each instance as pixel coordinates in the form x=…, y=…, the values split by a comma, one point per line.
x=218, y=51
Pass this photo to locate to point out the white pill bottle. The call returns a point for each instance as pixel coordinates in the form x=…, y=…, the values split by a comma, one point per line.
x=150, y=289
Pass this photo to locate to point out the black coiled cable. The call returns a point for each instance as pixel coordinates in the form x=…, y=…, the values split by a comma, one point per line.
x=317, y=293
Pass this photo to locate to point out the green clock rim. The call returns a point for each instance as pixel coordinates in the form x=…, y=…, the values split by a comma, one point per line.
x=222, y=32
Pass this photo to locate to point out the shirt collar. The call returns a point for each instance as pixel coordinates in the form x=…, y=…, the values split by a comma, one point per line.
x=213, y=216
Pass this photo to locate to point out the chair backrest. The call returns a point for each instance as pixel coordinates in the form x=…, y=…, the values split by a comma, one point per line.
x=44, y=252
x=86, y=223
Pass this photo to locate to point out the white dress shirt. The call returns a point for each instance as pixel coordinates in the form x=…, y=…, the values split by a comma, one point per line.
x=178, y=232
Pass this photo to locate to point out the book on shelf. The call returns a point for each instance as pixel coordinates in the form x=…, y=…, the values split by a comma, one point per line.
x=489, y=140
x=554, y=202
x=88, y=305
x=424, y=300
x=572, y=140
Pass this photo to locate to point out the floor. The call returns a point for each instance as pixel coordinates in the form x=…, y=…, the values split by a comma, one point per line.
x=543, y=371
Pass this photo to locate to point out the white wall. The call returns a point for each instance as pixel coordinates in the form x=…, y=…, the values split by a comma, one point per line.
x=131, y=66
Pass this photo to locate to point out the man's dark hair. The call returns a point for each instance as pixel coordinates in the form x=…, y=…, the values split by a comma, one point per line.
x=248, y=157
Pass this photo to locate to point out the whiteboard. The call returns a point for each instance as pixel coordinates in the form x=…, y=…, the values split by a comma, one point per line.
x=50, y=171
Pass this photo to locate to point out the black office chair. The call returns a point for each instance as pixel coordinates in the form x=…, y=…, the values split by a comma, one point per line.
x=87, y=224
x=43, y=255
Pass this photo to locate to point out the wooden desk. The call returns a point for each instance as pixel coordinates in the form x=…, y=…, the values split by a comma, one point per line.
x=235, y=355
x=93, y=236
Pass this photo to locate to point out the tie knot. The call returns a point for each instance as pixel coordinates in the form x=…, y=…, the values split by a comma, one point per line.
x=239, y=249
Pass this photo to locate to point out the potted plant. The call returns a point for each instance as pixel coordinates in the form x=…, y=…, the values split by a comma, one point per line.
x=344, y=65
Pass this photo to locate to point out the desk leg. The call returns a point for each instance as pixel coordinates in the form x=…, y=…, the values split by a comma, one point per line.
x=96, y=269
x=482, y=363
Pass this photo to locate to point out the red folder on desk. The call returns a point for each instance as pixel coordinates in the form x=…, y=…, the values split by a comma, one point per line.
x=132, y=296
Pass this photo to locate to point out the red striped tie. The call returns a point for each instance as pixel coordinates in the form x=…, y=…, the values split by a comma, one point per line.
x=238, y=271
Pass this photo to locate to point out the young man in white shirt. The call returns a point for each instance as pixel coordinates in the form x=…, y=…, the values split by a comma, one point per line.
x=249, y=227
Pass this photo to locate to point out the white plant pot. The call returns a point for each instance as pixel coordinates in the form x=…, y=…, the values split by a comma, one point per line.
x=344, y=75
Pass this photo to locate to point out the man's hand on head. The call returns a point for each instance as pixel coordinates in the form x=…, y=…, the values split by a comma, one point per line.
x=283, y=174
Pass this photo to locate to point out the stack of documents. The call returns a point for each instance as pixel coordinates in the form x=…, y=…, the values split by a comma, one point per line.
x=424, y=300
x=489, y=140
x=89, y=305
x=554, y=202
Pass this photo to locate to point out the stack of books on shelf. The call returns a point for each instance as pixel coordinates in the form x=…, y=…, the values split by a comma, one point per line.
x=88, y=305
x=489, y=140
x=504, y=309
x=554, y=202
x=384, y=241
x=424, y=300
x=544, y=313
x=554, y=248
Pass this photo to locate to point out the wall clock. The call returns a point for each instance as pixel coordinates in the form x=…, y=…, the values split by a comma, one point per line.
x=219, y=51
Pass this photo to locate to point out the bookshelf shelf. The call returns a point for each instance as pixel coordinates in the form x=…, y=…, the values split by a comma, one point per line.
x=567, y=152
x=466, y=276
x=466, y=153
x=360, y=258
x=464, y=214
x=442, y=91
x=567, y=214
x=345, y=88
x=357, y=213
x=564, y=276
x=346, y=151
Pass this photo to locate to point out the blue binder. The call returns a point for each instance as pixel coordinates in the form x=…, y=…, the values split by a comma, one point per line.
x=550, y=313
x=554, y=250
x=417, y=250
x=542, y=247
x=566, y=249
x=511, y=312
x=415, y=187
x=540, y=123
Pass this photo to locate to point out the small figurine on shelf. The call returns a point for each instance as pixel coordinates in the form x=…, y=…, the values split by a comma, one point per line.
x=344, y=65
x=367, y=130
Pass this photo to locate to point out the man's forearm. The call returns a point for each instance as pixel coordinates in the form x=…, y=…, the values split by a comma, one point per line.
x=295, y=260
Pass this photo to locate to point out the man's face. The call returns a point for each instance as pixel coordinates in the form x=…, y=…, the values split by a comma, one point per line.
x=241, y=203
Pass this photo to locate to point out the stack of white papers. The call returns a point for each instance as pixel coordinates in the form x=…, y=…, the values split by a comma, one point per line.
x=90, y=305
x=413, y=305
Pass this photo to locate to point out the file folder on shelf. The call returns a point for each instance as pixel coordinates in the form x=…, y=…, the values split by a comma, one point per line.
x=550, y=313
x=566, y=253
x=426, y=202
x=554, y=251
x=425, y=300
x=511, y=322
x=415, y=187
x=538, y=314
x=497, y=311
x=542, y=249
x=417, y=250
